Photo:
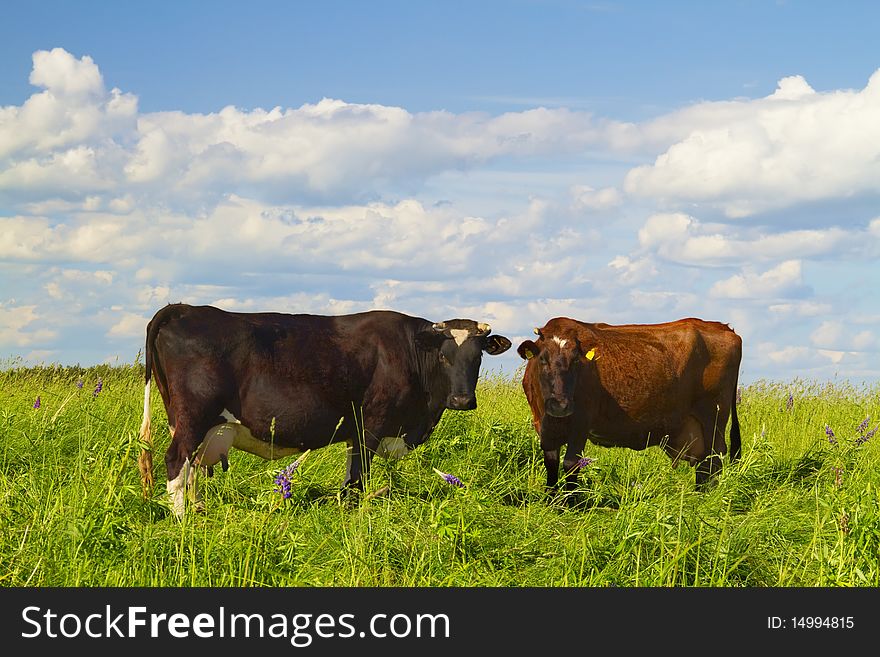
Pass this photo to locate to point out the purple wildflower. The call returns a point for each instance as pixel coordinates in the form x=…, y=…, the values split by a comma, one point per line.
x=584, y=461
x=864, y=425
x=37, y=402
x=79, y=384
x=830, y=433
x=282, y=479
x=282, y=484
x=790, y=403
x=450, y=479
x=739, y=395
x=861, y=440
x=98, y=388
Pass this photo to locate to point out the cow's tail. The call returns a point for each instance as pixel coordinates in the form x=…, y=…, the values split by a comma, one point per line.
x=735, y=438
x=145, y=458
x=152, y=366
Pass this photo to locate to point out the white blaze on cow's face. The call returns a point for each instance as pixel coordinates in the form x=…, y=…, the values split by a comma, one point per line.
x=560, y=341
x=459, y=335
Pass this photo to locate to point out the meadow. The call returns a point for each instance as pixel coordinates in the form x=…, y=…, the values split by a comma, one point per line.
x=800, y=509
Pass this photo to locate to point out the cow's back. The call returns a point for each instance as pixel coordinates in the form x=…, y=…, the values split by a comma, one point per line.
x=657, y=372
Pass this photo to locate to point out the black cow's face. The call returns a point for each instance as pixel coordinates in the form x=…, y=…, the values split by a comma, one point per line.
x=559, y=359
x=458, y=346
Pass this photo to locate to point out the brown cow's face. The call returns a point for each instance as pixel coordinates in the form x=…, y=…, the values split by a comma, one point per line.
x=458, y=345
x=558, y=359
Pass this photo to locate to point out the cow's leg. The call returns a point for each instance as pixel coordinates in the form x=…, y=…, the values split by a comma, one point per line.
x=687, y=442
x=715, y=421
x=570, y=465
x=710, y=465
x=181, y=471
x=694, y=442
x=353, y=464
x=706, y=471
x=371, y=426
x=553, y=436
x=359, y=456
x=551, y=464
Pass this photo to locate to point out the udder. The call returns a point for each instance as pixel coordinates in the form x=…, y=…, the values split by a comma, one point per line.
x=215, y=447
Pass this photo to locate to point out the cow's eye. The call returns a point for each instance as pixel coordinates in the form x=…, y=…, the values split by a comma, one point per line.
x=444, y=359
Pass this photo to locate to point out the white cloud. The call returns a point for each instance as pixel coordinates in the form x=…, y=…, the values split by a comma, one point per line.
x=69, y=139
x=73, y=283
x=789, y=355
x=53, y=289
x=244, y=235
x=864, y=340
x=681, y=238
x=802, y=360
x=632, y=271
x=800, y=309
x=60, y=73
x=153, y=296
x=585, y=196
x=129, y=325
x=781, y=280
x=664, y=228
x=828, y=334
x=838, y=335
x=15, y=326
x=835, y=357
x=792, y=146
x=76, y=138
x=39, y=356
x=673, y=303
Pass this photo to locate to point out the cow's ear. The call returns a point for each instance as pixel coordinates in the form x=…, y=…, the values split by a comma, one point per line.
x=496, y=344
x=430, y=339
x=527, y=350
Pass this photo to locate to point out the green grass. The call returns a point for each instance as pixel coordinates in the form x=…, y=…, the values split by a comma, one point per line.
x=797, y=510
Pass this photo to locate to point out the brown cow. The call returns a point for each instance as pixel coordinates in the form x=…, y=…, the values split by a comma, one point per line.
x=634, y=386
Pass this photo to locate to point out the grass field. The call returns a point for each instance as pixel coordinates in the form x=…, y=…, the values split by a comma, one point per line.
x=797, y=510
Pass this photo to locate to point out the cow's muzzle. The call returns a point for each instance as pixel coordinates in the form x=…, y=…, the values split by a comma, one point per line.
x=461, y=402
x=558, y=407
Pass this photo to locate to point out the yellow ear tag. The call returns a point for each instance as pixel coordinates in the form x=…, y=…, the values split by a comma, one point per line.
x=591, y=354
x=529, y=354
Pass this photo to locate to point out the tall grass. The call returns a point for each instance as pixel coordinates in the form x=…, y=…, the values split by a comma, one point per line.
x=797, y=510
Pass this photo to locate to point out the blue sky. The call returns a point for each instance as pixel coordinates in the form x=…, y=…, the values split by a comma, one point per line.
x=507, y=161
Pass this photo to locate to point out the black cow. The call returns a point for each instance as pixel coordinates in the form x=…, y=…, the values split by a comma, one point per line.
x=276, y=384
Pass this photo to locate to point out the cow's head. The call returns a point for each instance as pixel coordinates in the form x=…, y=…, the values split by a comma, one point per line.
x=559, y=357
x=458, y=346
